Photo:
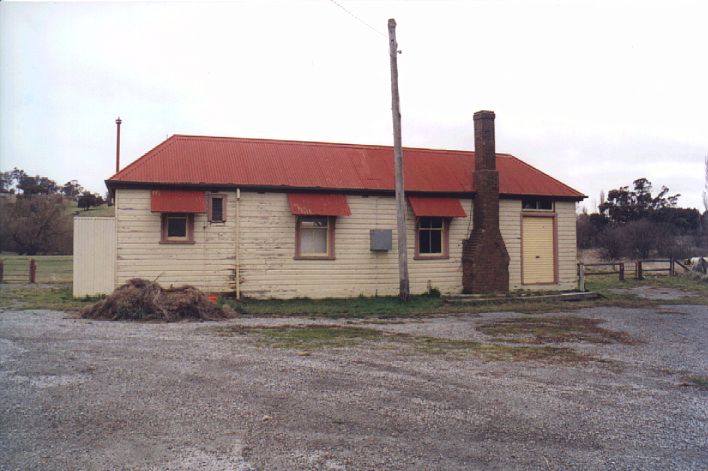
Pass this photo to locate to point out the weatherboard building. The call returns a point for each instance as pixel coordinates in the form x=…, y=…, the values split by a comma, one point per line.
x=281, y=219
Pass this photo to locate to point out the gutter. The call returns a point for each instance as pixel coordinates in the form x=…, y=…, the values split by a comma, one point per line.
x=113, y=184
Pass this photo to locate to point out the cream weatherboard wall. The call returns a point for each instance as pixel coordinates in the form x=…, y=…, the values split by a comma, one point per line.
x=267, y=247
x=207, y=264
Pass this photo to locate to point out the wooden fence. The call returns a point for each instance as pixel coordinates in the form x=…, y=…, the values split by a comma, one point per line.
x=666, y=265
x=640, y=266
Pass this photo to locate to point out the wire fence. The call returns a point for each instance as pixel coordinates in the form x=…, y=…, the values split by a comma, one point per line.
x=18, y=269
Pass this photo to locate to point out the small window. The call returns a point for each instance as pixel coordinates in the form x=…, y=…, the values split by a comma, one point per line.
x=431, y=237
x=537, y=204
x=177, y=229
x=315, y=237
x=217, y=208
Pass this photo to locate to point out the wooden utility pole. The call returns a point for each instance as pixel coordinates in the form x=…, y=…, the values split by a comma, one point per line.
x=404, y=285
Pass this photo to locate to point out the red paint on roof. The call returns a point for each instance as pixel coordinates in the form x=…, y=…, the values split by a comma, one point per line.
x=436, y=207
x=318, y=204
x=177, y=201
x=207, y=161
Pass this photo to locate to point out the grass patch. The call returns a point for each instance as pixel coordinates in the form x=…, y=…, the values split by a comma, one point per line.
x=496, y=352
x=389, y=307
x=95, y=211
x=359, y=307
x=557, y=329
x=701, y=382
x=308, y=337
x=317, y=336
x=695, y=289
x=55, y=297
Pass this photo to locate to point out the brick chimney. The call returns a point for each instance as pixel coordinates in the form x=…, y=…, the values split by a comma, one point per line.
x=485, y=261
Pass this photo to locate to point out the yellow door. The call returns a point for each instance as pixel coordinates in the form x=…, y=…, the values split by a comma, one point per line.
x=537, y=253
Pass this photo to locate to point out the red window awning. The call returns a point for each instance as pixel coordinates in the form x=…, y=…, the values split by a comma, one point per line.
x=318, y=204
x=437, y=207
x=177, y=201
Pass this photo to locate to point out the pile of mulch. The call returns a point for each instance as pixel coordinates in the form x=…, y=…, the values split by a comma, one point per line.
x=145, y=300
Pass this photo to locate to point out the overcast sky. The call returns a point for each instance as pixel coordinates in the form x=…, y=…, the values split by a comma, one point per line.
x=595, y=93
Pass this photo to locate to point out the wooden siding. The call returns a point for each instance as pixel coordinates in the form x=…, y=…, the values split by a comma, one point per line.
x=94, y=256
x=208, y=263
x=267, y=249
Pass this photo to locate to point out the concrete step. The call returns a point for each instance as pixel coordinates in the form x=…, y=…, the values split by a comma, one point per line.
x=506, y=298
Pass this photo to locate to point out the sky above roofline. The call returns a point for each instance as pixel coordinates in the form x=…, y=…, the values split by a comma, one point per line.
x=595, y=94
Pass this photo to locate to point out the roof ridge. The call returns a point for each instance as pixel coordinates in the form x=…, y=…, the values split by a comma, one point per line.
x=325, y=143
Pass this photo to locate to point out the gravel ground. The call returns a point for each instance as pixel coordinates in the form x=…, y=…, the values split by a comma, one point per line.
x=80, y=394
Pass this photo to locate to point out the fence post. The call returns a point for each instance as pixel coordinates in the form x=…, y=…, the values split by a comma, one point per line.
x=581, y=277
x=672, y=267
x=32, y=271
x=2, y=269
x=621, y=275
x=638, y=270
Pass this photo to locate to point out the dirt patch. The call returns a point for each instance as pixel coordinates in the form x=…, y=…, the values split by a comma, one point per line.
x=140, y=299
x=666, y=310
x=496, y=352
x=653, y=292
x=558, y=329
x=311, y=337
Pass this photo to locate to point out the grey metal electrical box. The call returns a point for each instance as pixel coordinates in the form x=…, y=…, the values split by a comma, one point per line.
x=380, y=239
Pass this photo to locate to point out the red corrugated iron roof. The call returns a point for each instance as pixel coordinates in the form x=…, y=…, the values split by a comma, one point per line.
x=318, y=204
x=195, y=160
x=177, y=201
x=435, y=206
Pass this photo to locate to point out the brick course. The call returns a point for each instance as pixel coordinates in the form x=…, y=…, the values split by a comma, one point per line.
x=485, y=260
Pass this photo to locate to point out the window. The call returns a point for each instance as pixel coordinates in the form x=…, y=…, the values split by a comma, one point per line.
x=537, y=204
x=217, y=207
x=314, y=238
x=431, y=237
x=177, y=228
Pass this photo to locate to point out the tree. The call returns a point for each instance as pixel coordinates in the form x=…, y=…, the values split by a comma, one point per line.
x=705, y=183
x=17, y=174
x=6, y=182
x=623, y=205
x=72, y=189
x=589, y=229
x=37, y=185
x=26, y=184
x=37, y=223
x=88, y=199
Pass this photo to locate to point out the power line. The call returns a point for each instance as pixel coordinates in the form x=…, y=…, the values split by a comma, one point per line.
x=359, y=19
